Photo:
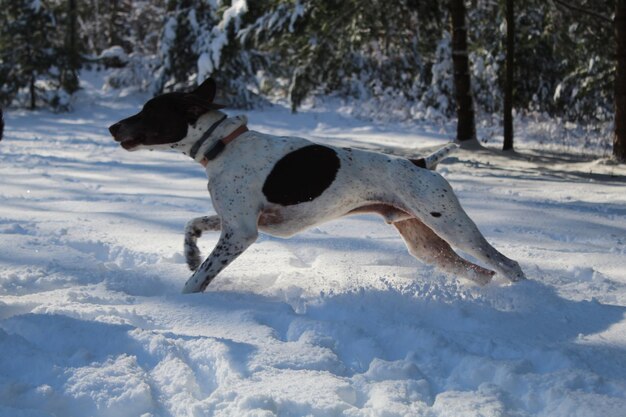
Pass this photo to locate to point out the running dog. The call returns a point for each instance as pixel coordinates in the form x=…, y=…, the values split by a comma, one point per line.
x=283, y=185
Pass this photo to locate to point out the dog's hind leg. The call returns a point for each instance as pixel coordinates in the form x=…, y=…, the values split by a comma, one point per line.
x=426, y=246
x=431, y=199
x=193, y=230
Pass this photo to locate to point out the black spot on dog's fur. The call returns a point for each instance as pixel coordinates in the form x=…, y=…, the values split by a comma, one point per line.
x=301, y=175
x=435, y=214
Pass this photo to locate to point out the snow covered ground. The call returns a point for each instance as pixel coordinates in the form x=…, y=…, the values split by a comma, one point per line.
x=338, y=321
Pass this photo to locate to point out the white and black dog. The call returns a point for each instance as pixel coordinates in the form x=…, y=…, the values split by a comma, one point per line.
x=283, y=185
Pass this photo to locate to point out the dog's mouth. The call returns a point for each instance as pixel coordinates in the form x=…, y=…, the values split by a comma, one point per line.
x=130, y=143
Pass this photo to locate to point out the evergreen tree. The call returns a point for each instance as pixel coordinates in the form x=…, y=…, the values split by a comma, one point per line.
x=199, y=40
x=103, y=24
x=178, y=46
x=26, y=48
x=352, y=47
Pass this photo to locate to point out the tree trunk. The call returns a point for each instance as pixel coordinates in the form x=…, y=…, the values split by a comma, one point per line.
x=508, y=85
x=72, y=27
x=466, y=129
x=114, y=38
x=69, y=75
x=33, y=97
x=619, y=140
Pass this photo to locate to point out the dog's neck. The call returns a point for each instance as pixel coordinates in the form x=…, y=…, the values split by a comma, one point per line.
x=209, y=129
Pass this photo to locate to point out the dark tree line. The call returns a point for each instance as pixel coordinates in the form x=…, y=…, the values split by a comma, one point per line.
x=414, y=58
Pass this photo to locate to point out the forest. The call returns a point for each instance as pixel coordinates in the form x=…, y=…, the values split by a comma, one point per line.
x=392, y=57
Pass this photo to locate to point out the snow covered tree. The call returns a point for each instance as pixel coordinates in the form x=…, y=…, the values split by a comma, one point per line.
x=350, y=47
x=103, y=24
x=40, y=52
x=200, y=40
x=178, y=46
x=26, y=48
x=136, y=62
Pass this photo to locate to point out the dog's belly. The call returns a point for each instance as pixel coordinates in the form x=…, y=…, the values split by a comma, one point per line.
x=283, y=221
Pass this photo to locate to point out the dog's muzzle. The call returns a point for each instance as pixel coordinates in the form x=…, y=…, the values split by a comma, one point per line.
x=127, y=143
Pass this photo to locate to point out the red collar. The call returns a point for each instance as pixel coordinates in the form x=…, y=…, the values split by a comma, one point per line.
x=221, y=144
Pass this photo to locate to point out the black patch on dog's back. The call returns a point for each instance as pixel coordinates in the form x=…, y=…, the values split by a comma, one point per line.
x=301, y=175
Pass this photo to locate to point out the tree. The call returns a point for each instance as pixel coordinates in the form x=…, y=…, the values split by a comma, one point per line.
x=508, y=83
x=619, y=84
x=26, y=48
x=466, y=128
x=70, y=61
x=179, y=43
x=354, y=48
x=619, y=140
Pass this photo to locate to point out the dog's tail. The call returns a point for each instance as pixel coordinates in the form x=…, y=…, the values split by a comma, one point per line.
x=431, y=161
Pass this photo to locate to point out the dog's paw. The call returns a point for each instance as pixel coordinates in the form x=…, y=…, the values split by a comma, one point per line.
x=480, y=275
x=511, y=271
x=192, y=253
x=193, y=262
x=194, y=284
x=516, y=273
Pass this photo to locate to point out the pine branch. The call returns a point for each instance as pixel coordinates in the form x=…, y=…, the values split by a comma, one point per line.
x=583, y=10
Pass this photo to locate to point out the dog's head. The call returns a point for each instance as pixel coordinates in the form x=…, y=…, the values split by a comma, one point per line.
x=164, y=120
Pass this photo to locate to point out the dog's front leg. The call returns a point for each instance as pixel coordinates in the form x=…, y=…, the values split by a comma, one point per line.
x=233, y=241
x=193, y=230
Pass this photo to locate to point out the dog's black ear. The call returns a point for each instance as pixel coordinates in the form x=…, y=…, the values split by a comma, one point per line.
x=193, y=110
x=196, y=107
x=206, y=90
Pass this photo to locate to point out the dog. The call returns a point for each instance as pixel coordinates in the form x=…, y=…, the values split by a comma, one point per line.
x=284, y=185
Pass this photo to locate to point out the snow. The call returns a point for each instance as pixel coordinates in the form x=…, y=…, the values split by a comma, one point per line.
x=114, y=52
x=234, y=12
x=339, y=320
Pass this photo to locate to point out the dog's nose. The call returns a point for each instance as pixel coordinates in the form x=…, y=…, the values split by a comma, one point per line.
x=115, y=128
